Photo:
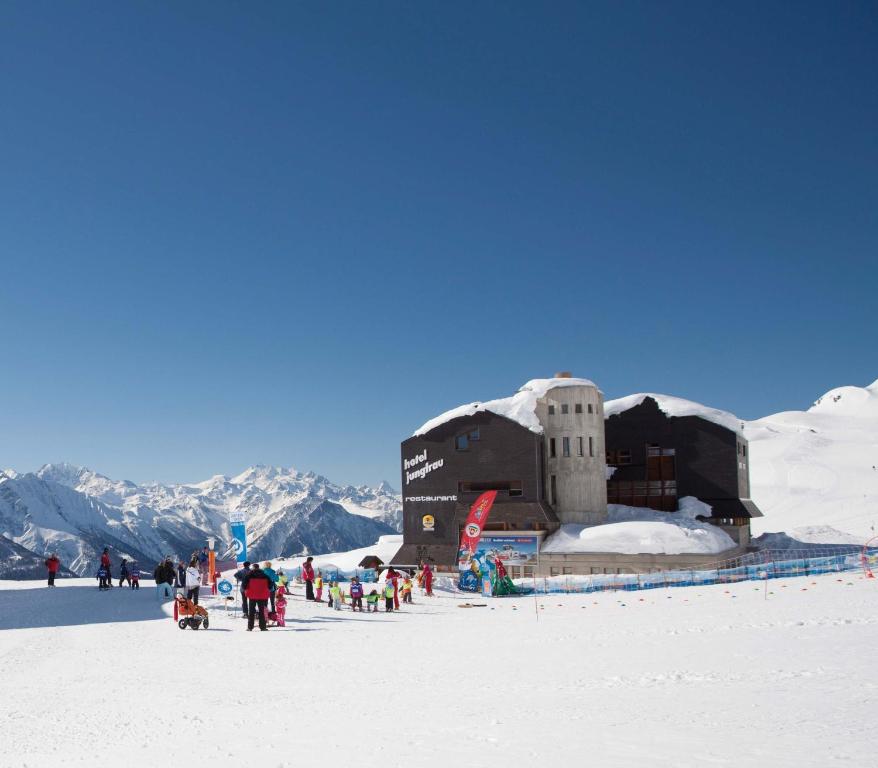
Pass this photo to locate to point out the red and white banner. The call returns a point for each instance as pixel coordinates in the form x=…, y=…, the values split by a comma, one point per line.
x=475, y=522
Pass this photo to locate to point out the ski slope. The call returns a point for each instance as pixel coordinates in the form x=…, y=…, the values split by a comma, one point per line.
x=716, y=676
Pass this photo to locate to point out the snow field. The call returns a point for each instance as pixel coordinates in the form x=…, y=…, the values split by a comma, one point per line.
x=681, y=677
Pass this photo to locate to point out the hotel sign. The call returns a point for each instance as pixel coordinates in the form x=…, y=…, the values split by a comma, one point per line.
x=418, y=467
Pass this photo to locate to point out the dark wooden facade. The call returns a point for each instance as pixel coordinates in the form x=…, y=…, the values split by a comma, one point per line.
x=659, y=459
x=477, y=453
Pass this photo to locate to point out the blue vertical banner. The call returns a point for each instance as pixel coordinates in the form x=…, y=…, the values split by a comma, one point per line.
x=239, y=535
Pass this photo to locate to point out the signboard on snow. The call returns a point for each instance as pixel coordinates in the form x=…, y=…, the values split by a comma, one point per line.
x=225, y=587
x=511, y=550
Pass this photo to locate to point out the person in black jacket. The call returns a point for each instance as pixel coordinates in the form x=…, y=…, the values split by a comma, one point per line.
x=241, y=576
x=164, y=578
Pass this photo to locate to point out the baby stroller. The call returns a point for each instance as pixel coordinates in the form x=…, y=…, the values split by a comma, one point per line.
x=190, y=615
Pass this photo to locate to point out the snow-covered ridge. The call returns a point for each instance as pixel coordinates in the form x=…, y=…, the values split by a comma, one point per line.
x=520, y=407
x=675, y=406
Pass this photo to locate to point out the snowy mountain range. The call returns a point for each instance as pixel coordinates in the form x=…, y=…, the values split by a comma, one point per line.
x=77, y=512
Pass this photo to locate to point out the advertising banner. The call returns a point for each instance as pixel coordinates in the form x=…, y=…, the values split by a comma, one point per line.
x=471, y=562
x=511, y=550
x=239, y=535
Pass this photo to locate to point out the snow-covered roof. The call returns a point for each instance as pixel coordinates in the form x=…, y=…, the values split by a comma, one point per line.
x=675, y=406
x=521, y=407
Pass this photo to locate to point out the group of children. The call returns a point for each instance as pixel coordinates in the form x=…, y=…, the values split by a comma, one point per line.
x=129, y=572
x=394, y=591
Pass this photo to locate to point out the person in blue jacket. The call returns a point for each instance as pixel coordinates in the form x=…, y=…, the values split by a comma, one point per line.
x=272, y=586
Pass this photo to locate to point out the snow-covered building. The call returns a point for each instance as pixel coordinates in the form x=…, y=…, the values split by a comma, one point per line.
x=542, y=449
x=661, y=449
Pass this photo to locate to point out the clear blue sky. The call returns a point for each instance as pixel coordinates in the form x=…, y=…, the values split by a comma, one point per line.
x=289, y=233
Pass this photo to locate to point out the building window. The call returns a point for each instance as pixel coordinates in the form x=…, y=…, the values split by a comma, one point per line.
x=474, y=435
x=618, y=458
x=554, y=487
x=511, y=487
x=565, y=446
x=551, y=410
x=577, y=408
x=565, y=408
x=744, y=451
x=590, y=408
x=461, y=442
x=579, y=446
x=552, y=452
x=591, y=447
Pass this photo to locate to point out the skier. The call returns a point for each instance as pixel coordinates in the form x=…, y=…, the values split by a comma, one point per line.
x=335, y=596
x=389, y=592
x=308, y=578
x=124, y=575
x=428, y=579
x=372, y=602
x=318, y=586
x=103, y=579
x=52, y=565
x=406, y=590
x=356, y=594
x=134, y=573
x=280, y=602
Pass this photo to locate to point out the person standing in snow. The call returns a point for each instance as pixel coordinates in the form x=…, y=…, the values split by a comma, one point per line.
x=318, y=586
x=203, y=561
x=281, y=603
x=356, y=594
x=134, y=574
x=164, y=576
x=52, y=565
x=308, y=578
x=257, y=586
x=180, y=578
x=105, y=564
x=193, y=580
x=389, y=592
x=428, y=579
x=392, y=577
x=123, y=573
x=241, y=576
x=272, y=577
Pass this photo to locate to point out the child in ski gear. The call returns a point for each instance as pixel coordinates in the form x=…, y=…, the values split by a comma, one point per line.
x=123, y=573
x=406, y=590
x=103, y=580
x=356, y=595
x=389, y=592
x=318, y=586
x=308, y=578
x=134, y=574
x=52, y=565
x=280, y=605
x=428, y=580
x=335, y=596
x=372, y=602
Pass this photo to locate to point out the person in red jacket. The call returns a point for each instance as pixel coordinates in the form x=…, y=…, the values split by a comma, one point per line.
x=257, y=586
x=105, y=562
x=308, y=578
x=53, y=564
x=428, y=579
